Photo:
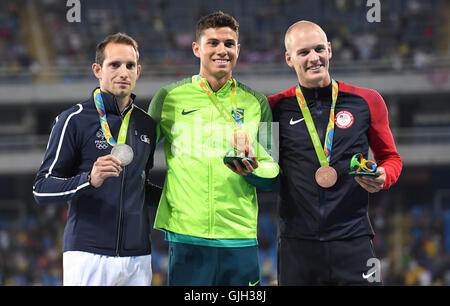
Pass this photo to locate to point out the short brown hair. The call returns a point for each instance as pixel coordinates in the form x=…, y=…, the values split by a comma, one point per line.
x=118, y=38
x=216, y=20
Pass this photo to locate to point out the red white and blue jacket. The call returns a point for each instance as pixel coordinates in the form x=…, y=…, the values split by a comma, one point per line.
x=308, y=211
x=112, y=219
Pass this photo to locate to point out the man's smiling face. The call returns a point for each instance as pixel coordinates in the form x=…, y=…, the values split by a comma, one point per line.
x=218, y=50
x=309, y=53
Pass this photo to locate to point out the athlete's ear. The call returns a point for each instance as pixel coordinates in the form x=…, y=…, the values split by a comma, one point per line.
x=97, y=69
x=288, y=59
x=196, y=49
x=138, y=72
x=330, y=53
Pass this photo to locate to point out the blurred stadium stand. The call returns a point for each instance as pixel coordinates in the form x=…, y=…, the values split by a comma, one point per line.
x=45, y=67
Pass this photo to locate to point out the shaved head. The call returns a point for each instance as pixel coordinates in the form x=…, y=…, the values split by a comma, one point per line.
x=308, y=51
x=299, y=29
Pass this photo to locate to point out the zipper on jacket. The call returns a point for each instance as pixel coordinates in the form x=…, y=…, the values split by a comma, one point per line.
x=319, y=111
x=120, y=226
x=321, y=212
x=320, y=131
x=210, y=180
x=122, y=195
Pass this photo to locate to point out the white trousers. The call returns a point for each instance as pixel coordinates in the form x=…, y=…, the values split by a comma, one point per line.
x=88, y=269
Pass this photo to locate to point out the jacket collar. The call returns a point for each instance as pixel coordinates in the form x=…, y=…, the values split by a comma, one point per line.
x=110, y=103
x=317, y=92
x=224, y=90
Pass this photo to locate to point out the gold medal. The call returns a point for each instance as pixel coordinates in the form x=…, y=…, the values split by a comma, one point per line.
x=326, y=176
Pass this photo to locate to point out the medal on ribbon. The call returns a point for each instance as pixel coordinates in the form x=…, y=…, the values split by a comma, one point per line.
x=240, y=140
x=120, y=150
x=325, y=176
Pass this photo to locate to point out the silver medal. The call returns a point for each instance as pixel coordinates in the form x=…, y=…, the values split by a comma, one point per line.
x=124, y=153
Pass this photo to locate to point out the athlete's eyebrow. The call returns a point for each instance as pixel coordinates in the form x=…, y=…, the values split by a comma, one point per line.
x=119, y=62
x=312, y=47
x=218, y=40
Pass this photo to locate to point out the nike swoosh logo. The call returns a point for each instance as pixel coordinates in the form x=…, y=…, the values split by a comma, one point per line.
x=292, y=122
x=185, y=113
x=368, y=275
x=253, y=284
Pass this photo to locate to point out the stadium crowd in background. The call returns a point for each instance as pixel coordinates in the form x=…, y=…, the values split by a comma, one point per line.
x=164, y=31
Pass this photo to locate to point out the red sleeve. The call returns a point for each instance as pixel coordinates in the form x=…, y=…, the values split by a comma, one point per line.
x=380, y=138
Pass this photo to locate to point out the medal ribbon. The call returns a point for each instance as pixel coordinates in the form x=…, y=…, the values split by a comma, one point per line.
x=104, y=122
x=324, y=155
x=220, y=107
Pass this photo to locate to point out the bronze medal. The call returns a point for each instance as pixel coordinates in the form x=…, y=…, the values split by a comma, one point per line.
x=326, y=176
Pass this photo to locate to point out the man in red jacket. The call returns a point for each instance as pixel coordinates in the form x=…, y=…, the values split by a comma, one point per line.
x=325, y=231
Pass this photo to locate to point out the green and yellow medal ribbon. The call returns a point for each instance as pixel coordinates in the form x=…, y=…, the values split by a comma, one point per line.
x=323, y=154
x=234, y=118
x=104, y=122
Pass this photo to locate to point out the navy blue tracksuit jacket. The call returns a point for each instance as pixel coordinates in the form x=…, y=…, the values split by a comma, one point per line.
x=113, y=219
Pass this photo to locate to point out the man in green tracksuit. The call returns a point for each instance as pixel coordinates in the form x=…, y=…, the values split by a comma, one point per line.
x=209, y=210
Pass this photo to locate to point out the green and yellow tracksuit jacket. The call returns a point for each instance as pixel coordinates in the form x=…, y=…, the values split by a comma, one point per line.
x=201, y=197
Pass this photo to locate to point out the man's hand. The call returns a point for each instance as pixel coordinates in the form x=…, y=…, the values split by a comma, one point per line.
x=105, y=166
x=372, y=183
x=248, y=166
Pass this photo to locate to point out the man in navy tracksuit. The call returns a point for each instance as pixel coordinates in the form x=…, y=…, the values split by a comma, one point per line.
x=325, y=231
x=107, y=235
